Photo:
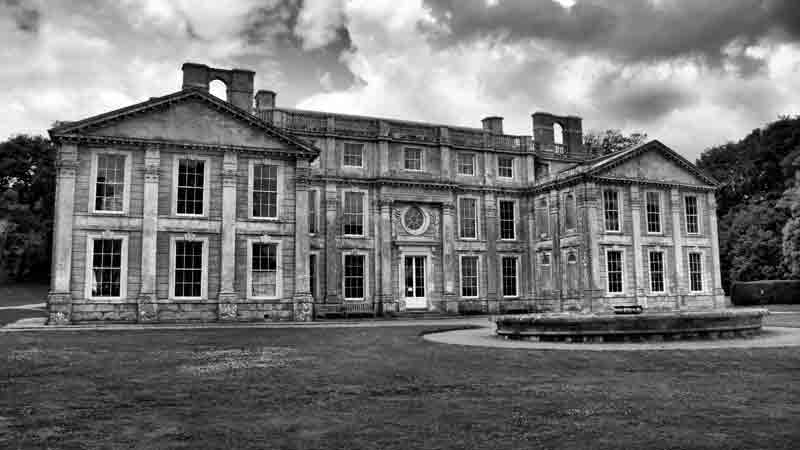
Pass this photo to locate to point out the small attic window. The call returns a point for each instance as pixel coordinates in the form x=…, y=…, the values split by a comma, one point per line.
x=218, y=89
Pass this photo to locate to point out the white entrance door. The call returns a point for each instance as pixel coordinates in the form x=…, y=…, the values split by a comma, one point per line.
x=414, y=267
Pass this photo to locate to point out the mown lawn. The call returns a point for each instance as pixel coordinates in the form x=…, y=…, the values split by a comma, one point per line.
x=382, y=388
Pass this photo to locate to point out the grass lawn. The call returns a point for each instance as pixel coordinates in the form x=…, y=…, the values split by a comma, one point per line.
x=382, y=388
x=23, y=294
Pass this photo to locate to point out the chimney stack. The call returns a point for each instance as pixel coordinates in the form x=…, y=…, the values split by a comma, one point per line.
x=265, y=100
x=571, y=128
x=493, y=124
x=238, y=82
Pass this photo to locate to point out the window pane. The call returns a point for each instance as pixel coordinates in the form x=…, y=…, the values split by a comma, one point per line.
x=507, y=220
x=106, y=267
x=656, y=271
x=466, y=164
x=570, y=212
x=468, y=216
x=509, y=269
x=264, y=270
x=353, y=155
x=354, y=276
x=265, y=190
x=469, y=276
x=695, y=272
x=353, y=213
x=188, y=268
x=692, y=225
x=312, y=272
x=110, y=182
x=505, y=167
x=614, y=270
x=191, y=175
x=611, y=208
x=653, y=212
x=413, y=159
x=312, y=211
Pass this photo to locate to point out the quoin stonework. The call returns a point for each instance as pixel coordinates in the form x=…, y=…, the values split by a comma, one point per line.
x=189, y=207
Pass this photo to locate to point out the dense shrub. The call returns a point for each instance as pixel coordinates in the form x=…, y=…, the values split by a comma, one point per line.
x=766, y=292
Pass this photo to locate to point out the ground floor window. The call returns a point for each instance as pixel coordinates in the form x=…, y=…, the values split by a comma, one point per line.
x=469, y=276
x=312, y=275
x=614, y=271
x=656, y=271
x=354, y=277
x=695, y=271
x=264, y=269
x=106, y=267
x=188, y=275
x=509, y=271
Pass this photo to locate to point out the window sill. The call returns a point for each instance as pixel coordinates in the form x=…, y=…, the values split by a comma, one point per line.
x=190, y=216
x=264, y=219
x=202, y=299
x=354, y=236
x=108, y=213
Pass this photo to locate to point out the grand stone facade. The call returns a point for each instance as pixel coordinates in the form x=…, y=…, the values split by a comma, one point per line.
x=188, y=207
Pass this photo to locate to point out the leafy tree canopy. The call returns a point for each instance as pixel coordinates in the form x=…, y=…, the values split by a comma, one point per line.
x=610, y=141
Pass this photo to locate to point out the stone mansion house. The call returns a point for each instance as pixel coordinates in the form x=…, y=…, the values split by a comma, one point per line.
x=189, y=207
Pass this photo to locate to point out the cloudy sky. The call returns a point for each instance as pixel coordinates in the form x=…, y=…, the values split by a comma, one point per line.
x=693, y=73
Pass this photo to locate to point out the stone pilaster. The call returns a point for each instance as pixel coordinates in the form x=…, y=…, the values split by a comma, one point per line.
x=713, y=236
x=59, y=299
x=227, y=293
x=147, y=301
x=679, y=287
x=493, y=285
x=388, y=305
x=530, y=270
x=591, y=235
x=332, y=261
x=555, y=234
x=444, y=151
x=303, y=302
x=636, y=243
x=450, y=262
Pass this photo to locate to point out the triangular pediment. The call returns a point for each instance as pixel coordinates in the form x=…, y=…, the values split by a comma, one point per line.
x=652, y=162
x=189, y=116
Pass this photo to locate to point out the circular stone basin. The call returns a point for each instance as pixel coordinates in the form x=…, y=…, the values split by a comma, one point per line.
x=576, y=327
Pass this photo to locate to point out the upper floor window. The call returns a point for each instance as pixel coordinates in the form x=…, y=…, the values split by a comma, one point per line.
x=611, y=209
x=412, y=158
x=468, y=218
x=507, y=220
x=542, y=170
x=353, y=155
x=191, y=185
x=265, y=191
x=653, y=210
x=109, y=189
x=570, y=212
x=505, y=166
x=614, y=271
x=312, y=211
x=542, y=217
x=690, y=208
x=354, y=213
x=466, y=164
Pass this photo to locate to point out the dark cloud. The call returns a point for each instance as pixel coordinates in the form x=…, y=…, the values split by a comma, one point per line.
x=630, y=30
x=26, y=16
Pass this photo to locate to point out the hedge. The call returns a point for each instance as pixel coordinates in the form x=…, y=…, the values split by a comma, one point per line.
x=765, y=292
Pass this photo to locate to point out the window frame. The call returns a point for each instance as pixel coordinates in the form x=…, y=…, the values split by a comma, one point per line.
x=622, y=272
x=316, y=215
x=567, y=195
x=421, y=158
x=477, y=217
x=251, y=168
x=278, y=268
x=515, y=212
x=206, y=182
x=364, y=214
x=126, y=185
x=663, y=254
x=660, y=212
x=516, y=276
x=537, y=209
x=366, y=266
x=472, y=157
x=698, y=215
x=620, y=210
x=477, y=276
x=512, y=158
x=703, y=280
x=314, y=275
x=204, y=272
x=344, y=152
x=89, y=263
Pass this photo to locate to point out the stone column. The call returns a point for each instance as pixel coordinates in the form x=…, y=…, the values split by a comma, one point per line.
x=388, y=303
x=148, y=305
x=679, y=288
x=227, y=293
x=555, y=263
x=533, y=238
x=636, y=244
x=303, y=302
x=591, y=257
x=494, y=292
x=332, y=261
x=716, y=273
x=59, y=299
x=450, y=262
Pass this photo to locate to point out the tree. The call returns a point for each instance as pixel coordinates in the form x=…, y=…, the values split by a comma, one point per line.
x=610, y=141
x=791, y=201
x=753, y=241
x=27, y=197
